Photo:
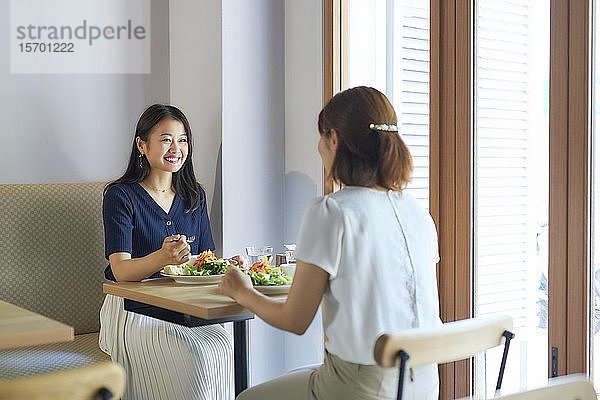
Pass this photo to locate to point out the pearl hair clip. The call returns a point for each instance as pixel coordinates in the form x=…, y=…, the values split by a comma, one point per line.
x=383, y=127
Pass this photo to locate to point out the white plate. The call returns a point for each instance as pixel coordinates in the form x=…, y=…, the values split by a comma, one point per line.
x=194, y=280
x=274, y=289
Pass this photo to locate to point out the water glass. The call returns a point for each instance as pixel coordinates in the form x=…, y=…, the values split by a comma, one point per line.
x=289, y=254
x=258, y=253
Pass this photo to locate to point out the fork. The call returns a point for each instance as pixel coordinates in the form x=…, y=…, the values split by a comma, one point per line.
x=188, y=239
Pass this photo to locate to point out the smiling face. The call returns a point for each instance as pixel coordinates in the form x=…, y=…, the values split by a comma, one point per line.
x=167, y=146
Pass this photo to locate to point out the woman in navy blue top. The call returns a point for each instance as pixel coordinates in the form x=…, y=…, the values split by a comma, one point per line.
x=134, y=223
x=156, y=215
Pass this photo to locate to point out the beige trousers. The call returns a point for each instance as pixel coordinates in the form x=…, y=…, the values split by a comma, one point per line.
x=338, y=379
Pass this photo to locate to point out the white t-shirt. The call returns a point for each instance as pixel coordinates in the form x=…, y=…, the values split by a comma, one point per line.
x=380, y=251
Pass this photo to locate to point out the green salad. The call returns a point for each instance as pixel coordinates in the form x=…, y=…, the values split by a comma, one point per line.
x=269, y=276
x=214, y=267
x=206, y=263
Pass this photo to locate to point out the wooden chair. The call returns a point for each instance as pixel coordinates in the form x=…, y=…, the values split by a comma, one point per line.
x=570, y=387
x=100, y=381
x=448, y=342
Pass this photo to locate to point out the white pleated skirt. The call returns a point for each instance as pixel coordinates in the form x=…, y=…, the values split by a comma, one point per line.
x=164, y=360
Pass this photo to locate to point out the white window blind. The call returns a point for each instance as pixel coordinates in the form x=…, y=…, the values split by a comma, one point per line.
x=413, y=96
x=502, y=158
x=388, y=48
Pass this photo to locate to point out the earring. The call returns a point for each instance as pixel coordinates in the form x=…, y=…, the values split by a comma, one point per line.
x=140, y=158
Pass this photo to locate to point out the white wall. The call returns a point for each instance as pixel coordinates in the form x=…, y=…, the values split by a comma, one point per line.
x=253, y=148
x=272, y=91
x=303, y=168
x=74, y=127
x=196, y=76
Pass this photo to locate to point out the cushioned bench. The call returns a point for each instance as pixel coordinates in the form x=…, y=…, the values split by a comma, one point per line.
x=52, y=262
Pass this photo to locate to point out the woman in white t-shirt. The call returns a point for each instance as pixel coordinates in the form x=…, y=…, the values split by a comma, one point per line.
x=368, y=252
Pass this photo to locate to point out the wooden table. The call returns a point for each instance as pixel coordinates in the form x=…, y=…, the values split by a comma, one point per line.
x=190, y=305
x=20, y=327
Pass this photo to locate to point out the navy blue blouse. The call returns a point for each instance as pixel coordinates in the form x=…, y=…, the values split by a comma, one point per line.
x=134, y=223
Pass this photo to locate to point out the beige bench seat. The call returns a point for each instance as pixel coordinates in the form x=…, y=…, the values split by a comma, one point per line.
x=35, y=360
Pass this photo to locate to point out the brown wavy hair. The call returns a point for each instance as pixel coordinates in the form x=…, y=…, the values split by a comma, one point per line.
x=365, y=157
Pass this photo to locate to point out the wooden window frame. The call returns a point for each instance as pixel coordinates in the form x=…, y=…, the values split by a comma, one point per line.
x=333, y=54
x=569, y=205
x=451, y=166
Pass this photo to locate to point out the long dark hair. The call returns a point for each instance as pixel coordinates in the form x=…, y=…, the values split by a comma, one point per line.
x=138, y=168
x=365, y=156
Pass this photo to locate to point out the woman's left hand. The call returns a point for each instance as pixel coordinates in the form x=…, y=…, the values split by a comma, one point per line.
x=235, y=282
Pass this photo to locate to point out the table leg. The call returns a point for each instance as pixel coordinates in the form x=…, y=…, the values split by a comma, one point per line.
x=240, y=355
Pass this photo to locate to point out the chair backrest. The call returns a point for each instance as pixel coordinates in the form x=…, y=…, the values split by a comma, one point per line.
x=52, y=252
x=447, y=342
x=564, y=388
x=100, y=381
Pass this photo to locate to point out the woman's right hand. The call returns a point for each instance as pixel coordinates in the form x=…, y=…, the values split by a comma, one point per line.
x=175, y=250
x=234, y=282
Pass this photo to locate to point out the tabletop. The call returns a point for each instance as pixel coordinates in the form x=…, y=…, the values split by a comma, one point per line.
x=201, y=301
x=20, y=327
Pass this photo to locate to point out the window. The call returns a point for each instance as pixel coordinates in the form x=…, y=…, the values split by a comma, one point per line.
x=511, y=71
x=387, y=47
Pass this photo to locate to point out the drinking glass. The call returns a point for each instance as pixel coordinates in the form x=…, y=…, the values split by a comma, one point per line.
x=258, y=253
x=289, y=253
